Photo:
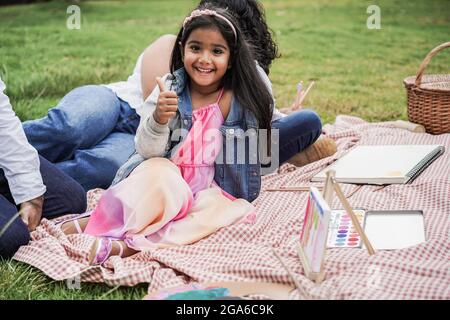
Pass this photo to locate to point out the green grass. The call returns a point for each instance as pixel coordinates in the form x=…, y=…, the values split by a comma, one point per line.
x=357, y=71
x=21, y=281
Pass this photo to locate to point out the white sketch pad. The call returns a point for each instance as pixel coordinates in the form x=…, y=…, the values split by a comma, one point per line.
x=389, y=230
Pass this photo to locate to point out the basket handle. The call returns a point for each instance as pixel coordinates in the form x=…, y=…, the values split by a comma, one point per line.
x=427, y=60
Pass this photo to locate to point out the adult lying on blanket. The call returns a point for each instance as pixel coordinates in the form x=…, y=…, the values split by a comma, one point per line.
x=90, y=133
x=28, y=183
x=179, y=195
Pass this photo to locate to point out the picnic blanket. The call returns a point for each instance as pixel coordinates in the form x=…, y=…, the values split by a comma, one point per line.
x=244, y=252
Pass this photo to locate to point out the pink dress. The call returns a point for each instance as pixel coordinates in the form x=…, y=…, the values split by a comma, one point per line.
x=197, y=154
x=172, y=202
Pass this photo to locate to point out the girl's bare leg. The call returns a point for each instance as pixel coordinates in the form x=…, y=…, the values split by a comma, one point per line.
x=126, y=251
x=69, y=227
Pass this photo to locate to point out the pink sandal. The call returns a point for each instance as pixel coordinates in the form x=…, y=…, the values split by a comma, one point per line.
x=102, y=251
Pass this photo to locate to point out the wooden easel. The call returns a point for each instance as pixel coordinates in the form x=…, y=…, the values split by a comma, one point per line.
x=317, y=277
x=332, y=186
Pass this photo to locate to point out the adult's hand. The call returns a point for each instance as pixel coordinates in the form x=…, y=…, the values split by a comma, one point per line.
x=31, y=212
x=167, y=104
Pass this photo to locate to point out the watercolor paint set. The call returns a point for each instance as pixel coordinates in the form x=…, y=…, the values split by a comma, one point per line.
x=386, y=230
x=341, y=232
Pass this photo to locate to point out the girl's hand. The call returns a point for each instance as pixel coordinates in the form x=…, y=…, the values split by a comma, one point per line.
x=167, y=105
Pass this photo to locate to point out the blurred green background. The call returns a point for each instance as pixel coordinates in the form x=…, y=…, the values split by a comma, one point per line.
x=358, y=71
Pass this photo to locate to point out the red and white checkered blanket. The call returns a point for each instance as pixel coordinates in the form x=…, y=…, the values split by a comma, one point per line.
x=243, y=252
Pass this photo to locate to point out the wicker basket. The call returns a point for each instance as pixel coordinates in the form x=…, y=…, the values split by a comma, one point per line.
x=429, y=97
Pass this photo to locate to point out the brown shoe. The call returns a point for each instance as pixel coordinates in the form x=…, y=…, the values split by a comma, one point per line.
x=322, y=148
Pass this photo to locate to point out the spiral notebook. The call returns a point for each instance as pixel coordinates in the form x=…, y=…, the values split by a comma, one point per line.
x=382, y=164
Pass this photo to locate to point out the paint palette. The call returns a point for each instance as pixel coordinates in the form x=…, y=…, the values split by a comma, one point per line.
x=341, y=232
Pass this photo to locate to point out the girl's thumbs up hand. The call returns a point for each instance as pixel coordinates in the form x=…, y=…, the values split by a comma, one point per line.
x=167, y=104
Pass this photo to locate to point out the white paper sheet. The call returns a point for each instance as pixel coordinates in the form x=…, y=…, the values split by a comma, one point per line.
x=389, y=230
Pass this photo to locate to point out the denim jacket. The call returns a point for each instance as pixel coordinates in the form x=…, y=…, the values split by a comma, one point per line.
x=242, y=179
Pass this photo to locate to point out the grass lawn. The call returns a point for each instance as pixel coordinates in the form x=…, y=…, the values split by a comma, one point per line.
x=358, y=71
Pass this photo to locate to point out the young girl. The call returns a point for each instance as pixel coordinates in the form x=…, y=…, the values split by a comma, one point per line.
x=90, y=133
x=187, y=189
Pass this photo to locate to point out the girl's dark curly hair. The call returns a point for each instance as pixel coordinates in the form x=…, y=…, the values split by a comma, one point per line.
x=252, y=21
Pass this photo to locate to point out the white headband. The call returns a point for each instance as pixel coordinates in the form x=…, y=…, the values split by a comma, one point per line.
x=208, y=12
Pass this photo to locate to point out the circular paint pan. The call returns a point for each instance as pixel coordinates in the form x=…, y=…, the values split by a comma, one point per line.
x=352, y=243
x=341, y=235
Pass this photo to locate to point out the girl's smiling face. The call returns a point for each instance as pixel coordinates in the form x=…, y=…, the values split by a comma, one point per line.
x=206, y=58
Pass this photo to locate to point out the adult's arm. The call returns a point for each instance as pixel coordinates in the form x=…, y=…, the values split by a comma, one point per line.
x=20, y=163
x=156, y=62
x=18, y=159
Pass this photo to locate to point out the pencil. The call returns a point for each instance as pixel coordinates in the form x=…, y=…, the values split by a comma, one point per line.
x=299, y=93
x=292, y=188
x=303, y=96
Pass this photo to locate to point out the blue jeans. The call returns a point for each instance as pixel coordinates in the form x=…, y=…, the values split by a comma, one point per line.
x=64, y=195
x=88, y=135
x=297, y=131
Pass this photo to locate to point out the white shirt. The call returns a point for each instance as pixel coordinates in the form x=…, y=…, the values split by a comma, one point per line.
x=18, y=159
x=131, y=90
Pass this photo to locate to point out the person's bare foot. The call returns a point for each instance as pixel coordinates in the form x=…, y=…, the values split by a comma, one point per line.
x=104, y=247
x=100, y=251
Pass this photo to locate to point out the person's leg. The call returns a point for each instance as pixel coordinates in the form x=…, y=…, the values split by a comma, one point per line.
x=83, y=118
x=120, y=248
x=73, y=226
x=97, y=166
x=14, y=235
x=297, y=131
x=4, y=187
x=128, y=120
x=64, y=195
